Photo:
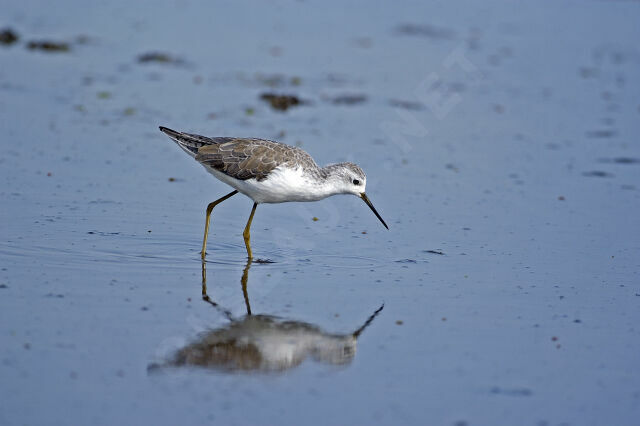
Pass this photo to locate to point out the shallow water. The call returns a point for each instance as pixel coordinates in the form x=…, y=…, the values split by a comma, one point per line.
x=501, y=147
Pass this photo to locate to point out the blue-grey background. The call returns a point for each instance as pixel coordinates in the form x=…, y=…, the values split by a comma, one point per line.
x=502, y=134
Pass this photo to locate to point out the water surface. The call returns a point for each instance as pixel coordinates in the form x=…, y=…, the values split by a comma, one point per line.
x=501, y=147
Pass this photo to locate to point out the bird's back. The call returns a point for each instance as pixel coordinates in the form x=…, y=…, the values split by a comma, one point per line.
x=241, y=158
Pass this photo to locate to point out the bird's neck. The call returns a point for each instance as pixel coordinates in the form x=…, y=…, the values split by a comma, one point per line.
x=330, y=172
x=328, y=180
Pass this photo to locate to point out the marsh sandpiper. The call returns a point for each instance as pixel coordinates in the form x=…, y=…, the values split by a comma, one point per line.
x=268, y=172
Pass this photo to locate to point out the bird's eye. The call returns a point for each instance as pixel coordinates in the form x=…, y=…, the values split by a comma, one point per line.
x=356, y=182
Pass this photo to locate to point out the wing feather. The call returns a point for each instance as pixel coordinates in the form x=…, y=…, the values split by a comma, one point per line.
x=246, y=158
x=240, y=158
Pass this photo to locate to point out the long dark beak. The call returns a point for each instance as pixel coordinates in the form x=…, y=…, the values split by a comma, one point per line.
x=373, y=209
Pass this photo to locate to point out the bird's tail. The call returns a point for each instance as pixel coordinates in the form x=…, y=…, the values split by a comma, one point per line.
x=190, y=143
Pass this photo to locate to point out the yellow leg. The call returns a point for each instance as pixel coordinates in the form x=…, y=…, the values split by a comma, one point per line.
x=205, y=296
x=206, y=224
x=247, y=234
x=243, y=280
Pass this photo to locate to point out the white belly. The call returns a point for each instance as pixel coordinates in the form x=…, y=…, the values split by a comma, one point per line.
x=282, y=185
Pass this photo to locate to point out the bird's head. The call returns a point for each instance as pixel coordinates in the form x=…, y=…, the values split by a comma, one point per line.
x=349, y=178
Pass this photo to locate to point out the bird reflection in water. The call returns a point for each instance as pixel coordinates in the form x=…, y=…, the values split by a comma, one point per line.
x=264, y=343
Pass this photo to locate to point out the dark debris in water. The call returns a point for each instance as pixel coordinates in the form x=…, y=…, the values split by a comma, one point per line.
x=425, y=30
x=349, y=99
x=601, y=134
x=103, y=234
x=101, y=201
x=441, y=253
x=54, y=295
x=408, y=105
x=281, y=102
x=8, y=36
x=264, y=261
x=598, y=173
x=588, y=72
x=511, y=392
x=159, y=58
x=626, y=160
x=49, y=46
x=620, y=160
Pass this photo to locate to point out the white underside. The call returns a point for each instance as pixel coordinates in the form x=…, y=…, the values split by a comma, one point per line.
x=282, y=185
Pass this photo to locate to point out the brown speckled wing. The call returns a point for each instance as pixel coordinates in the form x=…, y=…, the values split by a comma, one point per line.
x=250, y=158
x=242, y=158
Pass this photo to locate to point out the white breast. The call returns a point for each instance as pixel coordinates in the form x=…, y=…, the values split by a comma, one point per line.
x=281, y=185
